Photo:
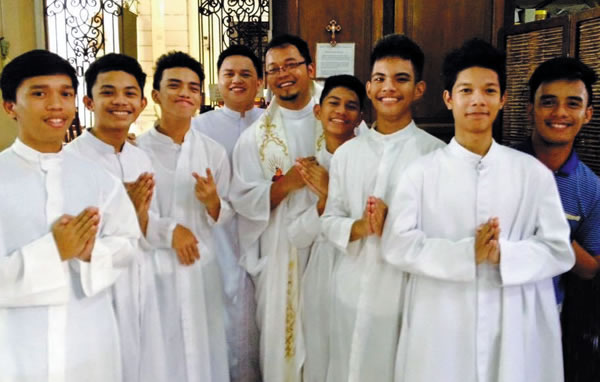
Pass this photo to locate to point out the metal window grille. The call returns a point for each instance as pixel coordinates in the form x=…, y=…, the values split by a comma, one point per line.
x=80, y=31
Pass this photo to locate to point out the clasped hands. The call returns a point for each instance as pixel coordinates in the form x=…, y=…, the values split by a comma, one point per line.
x=487, y=242
x=75, y=235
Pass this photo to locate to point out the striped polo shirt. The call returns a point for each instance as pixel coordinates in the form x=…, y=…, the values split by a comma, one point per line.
x=579, y=190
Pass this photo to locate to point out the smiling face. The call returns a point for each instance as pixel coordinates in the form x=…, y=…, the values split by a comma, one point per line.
x=291, y=86
x=339, y=113
x=475, y=100
x=180, y=93
x=44, y=109
x=559, y=111
x=392, y=89
x=116, y=101
x=238, y=83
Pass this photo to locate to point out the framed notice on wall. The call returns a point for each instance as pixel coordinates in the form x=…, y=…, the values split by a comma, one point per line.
x=336, y=59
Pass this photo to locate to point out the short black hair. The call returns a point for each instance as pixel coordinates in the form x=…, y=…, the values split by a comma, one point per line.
x=114, y=62
x=241, y=50
x=562, y=68
x=284, y=40
x=399, y=46
x=346, y=81
x=34, y=63
x=175, y=60
x=474, y=53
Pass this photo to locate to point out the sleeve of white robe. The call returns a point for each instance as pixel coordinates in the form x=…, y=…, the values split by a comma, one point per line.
x=114, y=247
x=336, y=222
x=408, y=248
x=159, y=232
x=302, y=221
x=548, y=252
x=33, y=275
x=250, y=191
x=222, y=176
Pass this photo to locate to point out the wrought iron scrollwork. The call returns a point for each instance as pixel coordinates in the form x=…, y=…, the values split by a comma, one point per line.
x=77, y=30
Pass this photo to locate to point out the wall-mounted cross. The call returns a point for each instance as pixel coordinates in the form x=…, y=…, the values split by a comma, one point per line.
x=333, y=27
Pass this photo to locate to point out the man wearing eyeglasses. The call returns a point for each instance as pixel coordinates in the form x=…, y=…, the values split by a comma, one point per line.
x=264, y=176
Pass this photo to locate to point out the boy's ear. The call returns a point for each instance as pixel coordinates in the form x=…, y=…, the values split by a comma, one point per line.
x=420, y=88
x=447, y=99
x=89, y=103
x=9, y=108
x=317, y=111
x=154, y=96
x=144, y=102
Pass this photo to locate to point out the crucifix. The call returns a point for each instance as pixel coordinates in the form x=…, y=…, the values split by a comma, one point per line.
x=333, y=27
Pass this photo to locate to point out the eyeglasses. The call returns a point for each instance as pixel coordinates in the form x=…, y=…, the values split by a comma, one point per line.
x=284, y=68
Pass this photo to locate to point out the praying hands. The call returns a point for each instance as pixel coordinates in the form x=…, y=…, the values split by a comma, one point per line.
x=75, y=235
x=316, y=178
x=487, y=245
x=140, y=192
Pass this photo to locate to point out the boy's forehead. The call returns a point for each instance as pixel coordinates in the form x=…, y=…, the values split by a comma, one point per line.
x=393, y=65
x=180, y=73
x=478, y=73
x=46, y=80
x=116, y=78
x=562, y=84
x=340, y=91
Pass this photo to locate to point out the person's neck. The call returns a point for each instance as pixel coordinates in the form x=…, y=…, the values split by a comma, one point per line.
x=296, y=104
x=553, y=156
x=391, y=124
x=42, y=147
x=174, y=127
x=242, y=109
x=113, y=137
x=478, y=143
x=333, y=142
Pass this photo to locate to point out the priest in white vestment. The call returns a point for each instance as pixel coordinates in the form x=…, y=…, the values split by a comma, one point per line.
x=240, y=77
x=192, y=180
x=480, y=229
x=116, y=98
x=67, y=233
x=263, y=176
x=339, y=112
x=364, y=172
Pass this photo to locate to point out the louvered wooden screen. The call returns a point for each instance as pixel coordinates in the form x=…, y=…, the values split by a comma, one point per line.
x=588, y=51
x=525, y=50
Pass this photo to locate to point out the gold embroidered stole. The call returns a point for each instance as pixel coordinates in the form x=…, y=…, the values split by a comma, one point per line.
x=275, y=161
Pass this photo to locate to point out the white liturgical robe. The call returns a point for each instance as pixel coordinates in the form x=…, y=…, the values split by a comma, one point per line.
x=134, y=294
x=266, y=250
x=225, y=126
x=191, y=298
x=466, y=322
x=367, y=293
x=57, y=323
x=304, y=229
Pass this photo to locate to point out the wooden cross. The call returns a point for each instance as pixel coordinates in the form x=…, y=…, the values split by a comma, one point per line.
x=333, y=27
